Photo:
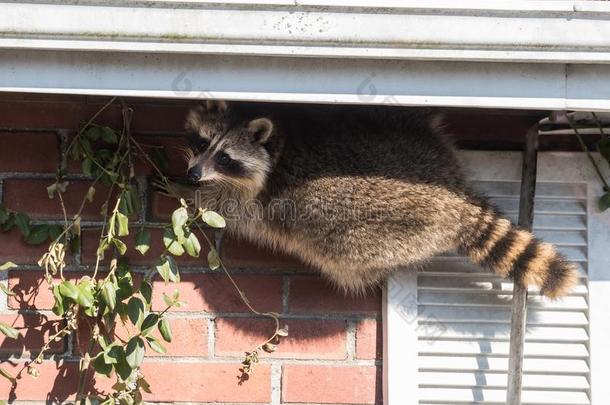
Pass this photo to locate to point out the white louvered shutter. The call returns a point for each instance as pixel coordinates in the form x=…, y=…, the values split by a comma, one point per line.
x=448, y=325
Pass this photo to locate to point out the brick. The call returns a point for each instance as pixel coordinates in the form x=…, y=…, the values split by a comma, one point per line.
x=308, y=339
x=330, y=384
x=30, y=196
x=161, y=207
x=31, y=290
x=239, y=253
x=205, y=382
x=369, y=339
x=35, y=330
x=169, y=116
x=28, y=152
x=56, y=383
x=41, y=114
x=16, y=250
x=172, y=146
x=215, y=293
x=309, y=294
x=189, y=338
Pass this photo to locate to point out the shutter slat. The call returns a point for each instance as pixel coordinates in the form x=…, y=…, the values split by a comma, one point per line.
x=555, y=350
x=493, y=363
x=544, y=190
x=557, y=207
x=497, y=396
x=501, y=331
x=498, y=380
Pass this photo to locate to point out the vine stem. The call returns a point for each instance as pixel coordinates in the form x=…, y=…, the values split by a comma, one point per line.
x=586, y=150
x=98, y=112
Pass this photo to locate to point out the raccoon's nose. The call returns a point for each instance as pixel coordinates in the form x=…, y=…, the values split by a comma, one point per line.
x=194, y=174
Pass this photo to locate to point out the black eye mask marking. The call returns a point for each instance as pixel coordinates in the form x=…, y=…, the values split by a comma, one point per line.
x=198, y=143
x=228, y=166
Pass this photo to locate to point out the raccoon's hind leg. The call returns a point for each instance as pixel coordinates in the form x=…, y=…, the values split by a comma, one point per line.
x=493, y=242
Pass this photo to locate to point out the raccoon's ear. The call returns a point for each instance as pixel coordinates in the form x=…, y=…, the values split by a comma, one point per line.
x=218, y=106
x=261, y=129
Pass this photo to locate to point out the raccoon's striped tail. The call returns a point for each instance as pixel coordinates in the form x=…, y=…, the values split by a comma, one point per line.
x=493, y=242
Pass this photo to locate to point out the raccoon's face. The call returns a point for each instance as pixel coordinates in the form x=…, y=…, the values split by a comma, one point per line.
x=227, y=149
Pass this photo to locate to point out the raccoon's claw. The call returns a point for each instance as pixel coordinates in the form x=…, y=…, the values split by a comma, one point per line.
x=162, y=186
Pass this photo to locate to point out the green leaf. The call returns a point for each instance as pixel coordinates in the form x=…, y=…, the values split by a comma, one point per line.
x=100, y=365
x=6, y=290
x=171, y=243
x=51, y=190
x=56, y=230
x=108, y=135
x=69, y=290
x=104, y=245
x=168, y=301
x=213, y=259
x=135, y=311
x=146, y=291
x=125, y=283
x=149, y=324
x=109, y=294
x=123, y=369
x=191, y=245
x=7, y=375
x=179, y=219
x=90, y=194
x=37, y=235
x=58, y=308
x=165, y=330
x=4, y=214
x=213, y=219
x=9, y=223
x=9, y=331
x=7, y=266
x=23, y=223
x=85, y=295
x=168, y=269
x=93, y=132
x=123, y=221
x=143, y=241
x=113, y=354
x=87, y=167
x=134, y=353
x=603, y=146
x=120, y=245
x=604, y=201
x=155, y=345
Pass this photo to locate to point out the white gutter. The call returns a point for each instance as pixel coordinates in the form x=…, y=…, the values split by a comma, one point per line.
x=561, y=31
x=504, y=53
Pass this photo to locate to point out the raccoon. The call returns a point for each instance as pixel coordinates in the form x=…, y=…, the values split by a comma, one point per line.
x=355, y=192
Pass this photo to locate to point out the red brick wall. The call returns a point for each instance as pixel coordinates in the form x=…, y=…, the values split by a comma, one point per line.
x=333, y=354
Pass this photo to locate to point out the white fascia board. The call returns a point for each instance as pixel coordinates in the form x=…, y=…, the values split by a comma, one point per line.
x=310, y=80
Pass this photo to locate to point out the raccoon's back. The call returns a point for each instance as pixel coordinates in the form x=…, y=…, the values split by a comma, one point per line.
x=366, y=144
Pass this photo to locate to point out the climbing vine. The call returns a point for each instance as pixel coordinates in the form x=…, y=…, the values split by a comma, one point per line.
x=109, y=298
x=603, y=147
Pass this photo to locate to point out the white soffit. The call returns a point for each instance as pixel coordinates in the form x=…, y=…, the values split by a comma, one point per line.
x=504, y=53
